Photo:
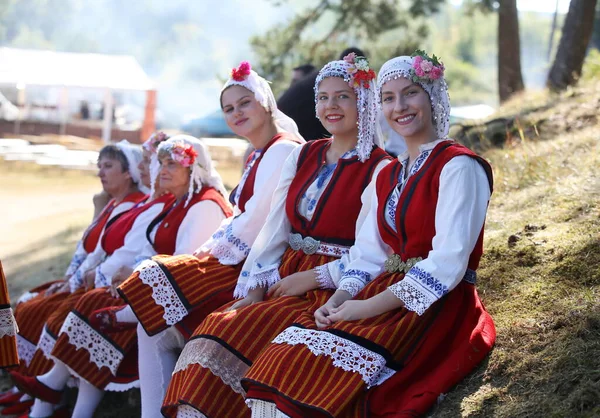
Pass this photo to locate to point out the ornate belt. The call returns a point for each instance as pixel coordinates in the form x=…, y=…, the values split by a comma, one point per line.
x=312, y=246
x=394, y=264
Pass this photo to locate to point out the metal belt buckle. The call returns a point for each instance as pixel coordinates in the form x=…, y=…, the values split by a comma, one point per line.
x=310, y=245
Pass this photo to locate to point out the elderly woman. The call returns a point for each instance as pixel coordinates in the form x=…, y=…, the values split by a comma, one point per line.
x=298, y=258
x=416, y=326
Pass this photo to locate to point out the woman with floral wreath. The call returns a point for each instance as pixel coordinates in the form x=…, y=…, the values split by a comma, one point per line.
x=416, y=326
x=300, y=254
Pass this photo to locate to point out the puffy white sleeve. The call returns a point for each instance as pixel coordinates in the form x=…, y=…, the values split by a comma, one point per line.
x=134, y=242
x=367, y=256
x=231, y=243
x=201, y=220
x=261, y=268
x=460, y=214
x=330, y=274
x=92, y=260
x=77, y=259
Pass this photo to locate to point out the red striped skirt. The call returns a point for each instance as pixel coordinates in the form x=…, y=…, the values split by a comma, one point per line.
x=31, y=316
x=396, y=363
x=105, y=360
x=166, y=289
x=225, y=345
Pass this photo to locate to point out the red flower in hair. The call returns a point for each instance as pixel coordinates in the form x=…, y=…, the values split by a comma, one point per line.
x=241, y=72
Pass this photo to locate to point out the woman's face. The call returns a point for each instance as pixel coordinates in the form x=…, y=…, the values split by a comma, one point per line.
x=112, y=176
x=144, y=167
x=336, y=107
x=243, y=113
x=173, y=176
x=407, y=108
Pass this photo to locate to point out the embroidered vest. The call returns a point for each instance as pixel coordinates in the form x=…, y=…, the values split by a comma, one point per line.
x=93, y=232
x=172, y=217
x=248, y=187
x=415, y=213
x=118, y=227
x=334, y=219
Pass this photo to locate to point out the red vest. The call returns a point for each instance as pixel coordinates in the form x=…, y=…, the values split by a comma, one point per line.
x=172, y=217
x=118, y=227
x=92, y=234
x=248, y=188
x=334, y=219
x=415, y=213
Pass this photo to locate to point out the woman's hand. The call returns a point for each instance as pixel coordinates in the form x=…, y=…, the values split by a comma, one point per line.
x=119, y=277
x=322, y=314
x=295, y=284
x=199, y=254
x=58, y=288
x=254, y=296
x=352, y=310
x=89, y=279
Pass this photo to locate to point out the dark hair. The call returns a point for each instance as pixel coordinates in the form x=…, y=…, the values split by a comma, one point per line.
x=350, y=50
x=114, y=153
x=305, y=69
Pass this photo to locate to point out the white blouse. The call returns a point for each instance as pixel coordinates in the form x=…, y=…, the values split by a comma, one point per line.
x=83, y=261
x=464, y=194
x=232, y=241
x=261, y=268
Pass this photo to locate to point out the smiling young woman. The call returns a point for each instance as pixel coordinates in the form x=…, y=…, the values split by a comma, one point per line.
x=299, y=255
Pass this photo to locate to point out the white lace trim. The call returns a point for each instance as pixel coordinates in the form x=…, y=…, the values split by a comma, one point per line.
x=122, y=387
x=213, y=356
x=345, y=354
x=264, y=409
x=412, y=296
x=352, y=286
x=27, y=296
x=46, y=343
x=163, y=292
x=226, y=255
x=82, y=335
x=8, y=326
x=186, y=411
x=26, y=349
x=324, y=277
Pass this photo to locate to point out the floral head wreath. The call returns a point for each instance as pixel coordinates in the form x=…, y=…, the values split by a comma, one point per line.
x=246, y=77
x=190, y=152
x=428, y=72
x=356, y=72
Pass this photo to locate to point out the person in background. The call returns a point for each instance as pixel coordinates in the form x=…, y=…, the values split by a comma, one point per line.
x=300, y=72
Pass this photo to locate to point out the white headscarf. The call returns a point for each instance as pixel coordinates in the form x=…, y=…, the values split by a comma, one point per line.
x=244, y=76
x=436, y=89
x=202, y=170
x=133, y=154
x=366, y=101
x=151, y=145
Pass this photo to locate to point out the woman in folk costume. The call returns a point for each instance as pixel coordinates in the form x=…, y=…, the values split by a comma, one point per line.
x=182, y=290
x=188, y=216
x=300, y=253
x=119, y=174
x=417, y=325
x=8, y=327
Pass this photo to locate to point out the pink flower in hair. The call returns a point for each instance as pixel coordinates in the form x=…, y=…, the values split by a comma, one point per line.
x=436, y=72
x=426, y=65
x=350, y=58
x=426, y=68
x=241, y=72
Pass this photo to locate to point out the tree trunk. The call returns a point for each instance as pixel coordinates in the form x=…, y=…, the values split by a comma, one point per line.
x=510, y=80
x=575, y=38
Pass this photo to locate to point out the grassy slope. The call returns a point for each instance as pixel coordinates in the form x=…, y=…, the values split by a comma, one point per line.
x=540, y=276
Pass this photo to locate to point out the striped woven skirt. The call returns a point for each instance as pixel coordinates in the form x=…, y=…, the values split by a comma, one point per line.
x=221, y=350
x=165, y=290
x=395, y=364
x=31, y=316
x=106, y=360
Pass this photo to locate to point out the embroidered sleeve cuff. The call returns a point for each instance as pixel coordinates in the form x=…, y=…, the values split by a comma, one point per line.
x=101, y=280
x=77, y=261
x=418, y=290
x=351, y=285
x=324, y=277
x=76, y=280
x=8, y=326
x=227, y=248
x=263, y=277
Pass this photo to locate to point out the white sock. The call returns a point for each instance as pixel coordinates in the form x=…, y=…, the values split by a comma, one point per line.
x=88, y=398
x=57, y=377
x=157, y=358
x=41, y=409
x=126, y=315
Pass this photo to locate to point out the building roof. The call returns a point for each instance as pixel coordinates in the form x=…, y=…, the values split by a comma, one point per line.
x=50, y=68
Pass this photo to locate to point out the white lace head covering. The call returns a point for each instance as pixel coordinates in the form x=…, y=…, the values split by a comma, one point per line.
x=202, y=170
x=133, y=154
x=366, y=99
x=246, y=77
x=151, y=145
x=437, y=89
